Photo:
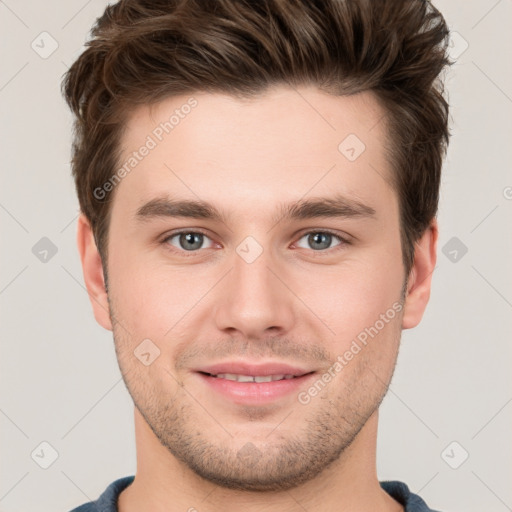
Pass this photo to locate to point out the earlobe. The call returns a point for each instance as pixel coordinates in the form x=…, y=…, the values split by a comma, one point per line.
x=93, y=272
x=420, y=277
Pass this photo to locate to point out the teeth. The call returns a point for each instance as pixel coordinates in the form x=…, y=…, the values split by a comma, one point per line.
x=251, y=378
x=264, y=378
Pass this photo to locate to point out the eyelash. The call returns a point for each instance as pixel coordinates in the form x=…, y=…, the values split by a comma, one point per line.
x=343, y=241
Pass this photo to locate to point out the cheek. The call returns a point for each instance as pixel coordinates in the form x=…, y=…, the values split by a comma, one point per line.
x=150, y=300
x=354, y=298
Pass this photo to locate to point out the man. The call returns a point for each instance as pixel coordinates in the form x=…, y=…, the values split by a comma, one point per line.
x=258, y=184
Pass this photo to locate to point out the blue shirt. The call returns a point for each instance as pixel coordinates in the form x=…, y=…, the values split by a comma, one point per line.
x=107, y=502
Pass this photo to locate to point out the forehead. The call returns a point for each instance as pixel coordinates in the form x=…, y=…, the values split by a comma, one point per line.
x=283, y=143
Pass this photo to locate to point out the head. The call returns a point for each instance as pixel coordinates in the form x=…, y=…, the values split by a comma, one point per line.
x=265, y=118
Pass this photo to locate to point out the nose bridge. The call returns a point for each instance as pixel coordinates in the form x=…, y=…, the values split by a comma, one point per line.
x=253, y=300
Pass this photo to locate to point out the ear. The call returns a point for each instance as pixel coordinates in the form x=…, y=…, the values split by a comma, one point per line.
x=93, y=272
x=420, y=277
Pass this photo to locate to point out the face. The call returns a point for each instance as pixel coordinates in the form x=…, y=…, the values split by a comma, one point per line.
x=257, y=328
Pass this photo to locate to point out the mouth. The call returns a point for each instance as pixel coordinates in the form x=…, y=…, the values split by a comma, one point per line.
x=253, y=384
x=252, y=378
x=274, y=370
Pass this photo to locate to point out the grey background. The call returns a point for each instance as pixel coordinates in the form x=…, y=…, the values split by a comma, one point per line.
x=59, y=377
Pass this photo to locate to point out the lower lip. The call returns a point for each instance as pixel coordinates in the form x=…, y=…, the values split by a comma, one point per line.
x=256, y=392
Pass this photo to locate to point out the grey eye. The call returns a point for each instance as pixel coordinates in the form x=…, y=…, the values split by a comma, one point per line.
x=319, y=240
x=188, y=241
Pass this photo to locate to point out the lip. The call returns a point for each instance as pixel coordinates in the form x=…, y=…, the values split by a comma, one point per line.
x=254, y=393
x=260, y=369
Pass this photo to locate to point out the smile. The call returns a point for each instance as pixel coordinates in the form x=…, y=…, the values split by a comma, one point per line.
x=251, y=378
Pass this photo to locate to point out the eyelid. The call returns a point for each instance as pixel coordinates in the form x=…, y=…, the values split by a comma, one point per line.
x=170, y=234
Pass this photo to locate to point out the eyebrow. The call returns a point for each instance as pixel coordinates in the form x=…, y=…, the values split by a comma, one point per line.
x=337, y=206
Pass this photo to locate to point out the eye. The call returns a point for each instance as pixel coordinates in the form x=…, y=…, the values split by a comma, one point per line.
x=193, y=241
x=189, y=241
x=320, y=240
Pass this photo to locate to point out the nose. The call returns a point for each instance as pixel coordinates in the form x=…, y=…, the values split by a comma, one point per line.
x=254, y=300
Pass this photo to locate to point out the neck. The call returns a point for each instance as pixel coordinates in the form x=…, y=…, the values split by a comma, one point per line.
x=164, y=484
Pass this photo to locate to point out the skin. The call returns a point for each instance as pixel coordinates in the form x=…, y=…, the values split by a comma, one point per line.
x=294, y=303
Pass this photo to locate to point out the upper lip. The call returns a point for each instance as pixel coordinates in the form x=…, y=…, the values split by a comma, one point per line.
x=260, y=369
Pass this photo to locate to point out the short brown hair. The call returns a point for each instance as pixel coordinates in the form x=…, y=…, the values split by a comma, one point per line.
x=142, y=51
